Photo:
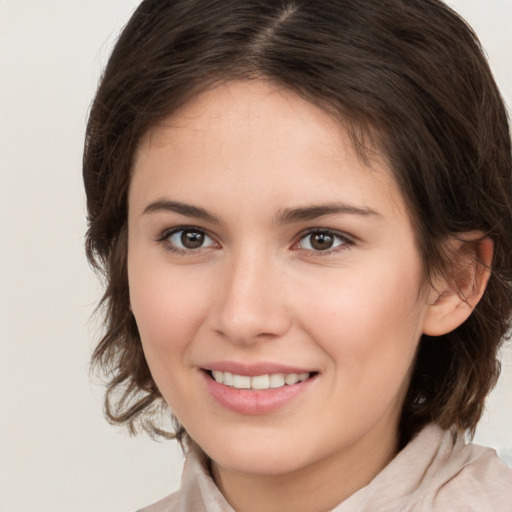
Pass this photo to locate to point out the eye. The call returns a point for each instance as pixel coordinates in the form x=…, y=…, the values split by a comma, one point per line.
x=320, y=240
x=188, y=239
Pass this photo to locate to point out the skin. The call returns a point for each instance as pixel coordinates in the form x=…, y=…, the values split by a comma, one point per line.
x=258, y=291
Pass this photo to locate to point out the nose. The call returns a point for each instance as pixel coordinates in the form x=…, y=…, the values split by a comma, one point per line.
x=252, y=304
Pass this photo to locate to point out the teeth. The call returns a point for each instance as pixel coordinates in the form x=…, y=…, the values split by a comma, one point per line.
x=276, y=380
x=292, y=378
x=241, y=382
x=268, y=381
x=260, y=382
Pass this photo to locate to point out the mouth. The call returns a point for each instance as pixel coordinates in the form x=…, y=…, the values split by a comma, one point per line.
x=258, y=382
x=257, y=388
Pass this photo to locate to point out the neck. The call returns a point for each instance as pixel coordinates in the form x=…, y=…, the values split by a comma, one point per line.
x=321, y=486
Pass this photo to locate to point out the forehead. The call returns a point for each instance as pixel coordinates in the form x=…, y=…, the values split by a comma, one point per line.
x=255, y=103
x=257, y=136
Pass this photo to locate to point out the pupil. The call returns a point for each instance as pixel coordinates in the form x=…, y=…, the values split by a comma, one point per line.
x=321, y=241
x=192, y=239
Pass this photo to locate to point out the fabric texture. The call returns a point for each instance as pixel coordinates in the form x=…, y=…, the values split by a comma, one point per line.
x=431, y=474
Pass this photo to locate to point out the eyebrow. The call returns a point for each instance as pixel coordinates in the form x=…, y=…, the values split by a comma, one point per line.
x=291, y=215
x=286, y=216
x=163, y=205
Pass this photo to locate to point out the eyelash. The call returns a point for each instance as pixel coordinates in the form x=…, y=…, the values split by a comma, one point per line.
x=345, y=242
x=167, y=234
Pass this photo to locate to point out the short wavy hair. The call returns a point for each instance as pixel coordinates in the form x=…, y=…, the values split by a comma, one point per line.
x=408, y=75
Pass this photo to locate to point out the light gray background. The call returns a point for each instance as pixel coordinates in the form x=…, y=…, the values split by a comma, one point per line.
x=57, y=454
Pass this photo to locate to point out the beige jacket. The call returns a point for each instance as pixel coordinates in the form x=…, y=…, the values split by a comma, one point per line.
x=431, y=474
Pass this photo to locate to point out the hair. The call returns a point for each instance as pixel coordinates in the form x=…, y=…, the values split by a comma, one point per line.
x=409, y=75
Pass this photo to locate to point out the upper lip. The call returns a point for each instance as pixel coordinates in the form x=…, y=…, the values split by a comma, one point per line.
x=254, y=369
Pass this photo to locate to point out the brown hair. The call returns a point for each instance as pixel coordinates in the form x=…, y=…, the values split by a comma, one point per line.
x=410, y=75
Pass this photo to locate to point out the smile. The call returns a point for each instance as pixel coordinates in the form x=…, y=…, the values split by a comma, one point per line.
x=258, y=382
x=259, y=392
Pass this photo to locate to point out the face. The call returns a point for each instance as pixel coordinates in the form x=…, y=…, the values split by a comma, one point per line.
x=275, y=281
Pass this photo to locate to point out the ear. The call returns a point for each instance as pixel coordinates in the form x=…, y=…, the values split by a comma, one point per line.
x=452, y=298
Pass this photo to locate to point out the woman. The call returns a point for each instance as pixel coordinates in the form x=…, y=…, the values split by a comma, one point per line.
x=303, y=213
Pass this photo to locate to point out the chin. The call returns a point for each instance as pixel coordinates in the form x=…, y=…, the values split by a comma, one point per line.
x=259, y=458
x=263, y=465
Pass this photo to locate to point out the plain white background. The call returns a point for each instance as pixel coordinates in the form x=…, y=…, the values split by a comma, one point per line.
x=57, y=454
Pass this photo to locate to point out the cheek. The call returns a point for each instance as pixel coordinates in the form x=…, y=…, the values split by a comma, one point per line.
x=165, y=306
x=168, y=314
x=369, y=323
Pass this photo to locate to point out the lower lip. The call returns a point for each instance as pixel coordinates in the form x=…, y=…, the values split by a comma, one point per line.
x=252, y=402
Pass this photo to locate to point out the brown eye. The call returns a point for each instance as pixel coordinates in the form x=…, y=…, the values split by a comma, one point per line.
x=322, y=240
x=189, y=239
x=192, y=239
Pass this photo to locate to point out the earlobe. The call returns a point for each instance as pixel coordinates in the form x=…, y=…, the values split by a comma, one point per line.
x=453, y=297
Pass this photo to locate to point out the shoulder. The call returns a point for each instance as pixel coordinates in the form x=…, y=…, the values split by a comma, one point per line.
x=462, y=477
x=435, y=473
x=480, y=482
x=197, y=493
x=168, y=504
